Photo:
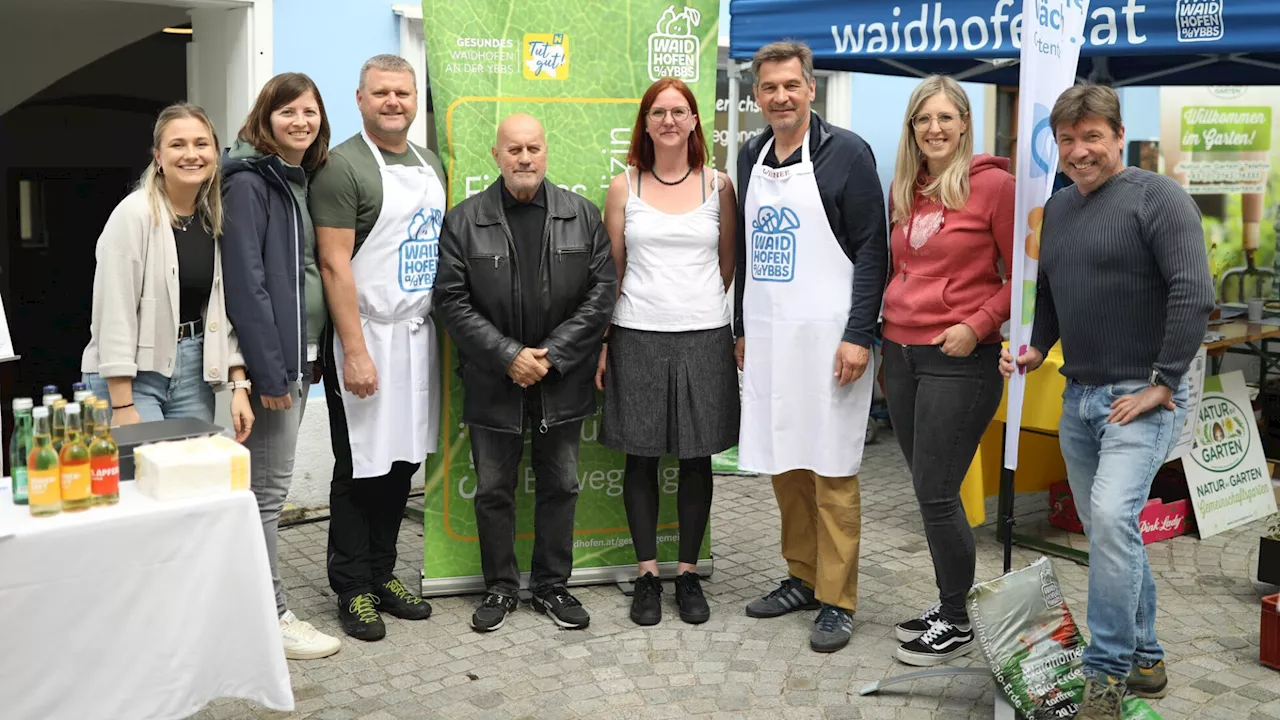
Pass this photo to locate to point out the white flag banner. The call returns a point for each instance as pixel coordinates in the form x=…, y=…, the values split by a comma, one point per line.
x=1052, y=34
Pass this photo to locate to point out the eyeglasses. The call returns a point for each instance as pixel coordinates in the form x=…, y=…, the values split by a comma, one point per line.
x=946, y=121
x=657, y=115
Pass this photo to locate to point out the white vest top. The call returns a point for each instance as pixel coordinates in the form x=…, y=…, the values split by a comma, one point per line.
x=672, y=279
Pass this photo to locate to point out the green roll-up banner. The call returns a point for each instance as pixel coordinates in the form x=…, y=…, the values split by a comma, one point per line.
x=581, y=68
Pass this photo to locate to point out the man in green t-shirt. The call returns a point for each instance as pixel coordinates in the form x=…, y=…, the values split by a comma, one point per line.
x=377, y=208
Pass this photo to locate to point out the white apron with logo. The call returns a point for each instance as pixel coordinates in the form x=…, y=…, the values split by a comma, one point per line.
x=394, y=271
x=799, y=282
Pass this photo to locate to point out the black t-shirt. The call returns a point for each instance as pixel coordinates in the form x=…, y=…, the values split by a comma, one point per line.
x=527, y=222
x=195, y=268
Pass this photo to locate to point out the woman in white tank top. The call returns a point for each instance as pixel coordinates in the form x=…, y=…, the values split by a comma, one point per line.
x=667, y=370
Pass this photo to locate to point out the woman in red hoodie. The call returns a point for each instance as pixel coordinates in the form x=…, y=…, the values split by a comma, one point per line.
x=951, y=244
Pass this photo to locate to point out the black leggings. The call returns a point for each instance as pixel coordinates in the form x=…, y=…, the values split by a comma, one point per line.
x=693, y=505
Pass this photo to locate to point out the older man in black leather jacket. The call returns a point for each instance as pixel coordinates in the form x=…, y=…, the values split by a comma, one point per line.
x=526, y=287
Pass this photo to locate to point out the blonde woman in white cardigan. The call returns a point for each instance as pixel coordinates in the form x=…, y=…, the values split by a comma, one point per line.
x=160, y=340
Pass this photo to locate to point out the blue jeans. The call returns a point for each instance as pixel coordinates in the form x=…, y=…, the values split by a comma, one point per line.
x=1110, y=468
x=156, y=397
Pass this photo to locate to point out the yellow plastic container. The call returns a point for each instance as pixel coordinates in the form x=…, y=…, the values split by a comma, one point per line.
x=1040, y=461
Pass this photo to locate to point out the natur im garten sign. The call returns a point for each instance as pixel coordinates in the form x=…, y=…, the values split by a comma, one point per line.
x=1226, y=468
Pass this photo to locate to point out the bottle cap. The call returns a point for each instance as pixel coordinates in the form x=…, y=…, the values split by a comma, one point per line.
x=50, y=389
x=78, y=386
x=82, y=394
x=41, y=412
x=72, y=408
x=22, y=404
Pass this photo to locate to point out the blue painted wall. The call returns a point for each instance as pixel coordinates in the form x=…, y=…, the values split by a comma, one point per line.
x=329, y=40
x=1140, y=108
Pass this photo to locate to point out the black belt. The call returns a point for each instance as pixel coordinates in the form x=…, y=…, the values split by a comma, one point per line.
x=195, y=328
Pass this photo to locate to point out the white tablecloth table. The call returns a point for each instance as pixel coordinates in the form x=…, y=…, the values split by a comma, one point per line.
x=142, y=610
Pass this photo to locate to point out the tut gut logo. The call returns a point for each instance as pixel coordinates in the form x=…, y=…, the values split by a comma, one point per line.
x=773, y=244
x=673, y=48
x=1200, y=20
x=420, y=253
x=1044, y=151
x=546, y=56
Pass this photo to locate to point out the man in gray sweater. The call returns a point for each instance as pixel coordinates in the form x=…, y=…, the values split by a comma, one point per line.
x=1125, y=285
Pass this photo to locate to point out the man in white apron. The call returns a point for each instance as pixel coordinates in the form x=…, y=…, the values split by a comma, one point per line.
x=377, y=207
x=526, y=290
x=812, y=250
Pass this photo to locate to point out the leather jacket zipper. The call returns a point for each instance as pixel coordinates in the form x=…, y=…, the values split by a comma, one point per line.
x=546, y=244
x=561, y=252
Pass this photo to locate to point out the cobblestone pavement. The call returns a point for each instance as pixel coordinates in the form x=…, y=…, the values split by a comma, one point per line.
x=737, y=667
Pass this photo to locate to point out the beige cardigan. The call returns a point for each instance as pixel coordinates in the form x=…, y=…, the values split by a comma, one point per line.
x=134, y=327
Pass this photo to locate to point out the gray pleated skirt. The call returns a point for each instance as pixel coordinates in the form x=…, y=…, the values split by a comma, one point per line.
x=670, y=393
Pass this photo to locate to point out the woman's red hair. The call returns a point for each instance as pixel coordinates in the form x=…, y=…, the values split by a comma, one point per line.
x=641, y=153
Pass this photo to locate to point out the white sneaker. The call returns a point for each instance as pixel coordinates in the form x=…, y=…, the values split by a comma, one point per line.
x=303, y=642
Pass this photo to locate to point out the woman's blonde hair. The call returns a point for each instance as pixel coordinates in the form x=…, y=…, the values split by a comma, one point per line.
x=952, y=185
x=209, y=199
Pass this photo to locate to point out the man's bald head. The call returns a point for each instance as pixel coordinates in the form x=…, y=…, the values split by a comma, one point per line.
x=520, y=125
x=520, y=150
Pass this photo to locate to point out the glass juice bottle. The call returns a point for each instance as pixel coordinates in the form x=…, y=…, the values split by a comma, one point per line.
x=104, y=459
x=59, y=415
x=77, y=493
x=85, y=398
x=44, y=488
x=20, y=448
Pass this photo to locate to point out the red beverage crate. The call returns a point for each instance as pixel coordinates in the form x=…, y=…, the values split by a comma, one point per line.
x=1269, y=638
x=1159, y=520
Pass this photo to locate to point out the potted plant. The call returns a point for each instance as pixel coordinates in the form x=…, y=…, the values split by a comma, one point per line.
x=1269, y=555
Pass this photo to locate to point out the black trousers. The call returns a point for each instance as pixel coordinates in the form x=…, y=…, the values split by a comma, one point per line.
x=640, y=497
x=554, y=456
x=364, y=513
x=940, y=406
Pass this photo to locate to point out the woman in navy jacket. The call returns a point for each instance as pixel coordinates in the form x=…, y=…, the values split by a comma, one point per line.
x=274, y=297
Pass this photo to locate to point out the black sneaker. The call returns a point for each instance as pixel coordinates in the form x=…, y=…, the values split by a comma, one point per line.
x=791, y=595
x=492, y=612
x=646, y=600
x=915, y=627
x=690, y=600
x=941, y=642
x=561, y=607
x=396, y=600
x=360, y=618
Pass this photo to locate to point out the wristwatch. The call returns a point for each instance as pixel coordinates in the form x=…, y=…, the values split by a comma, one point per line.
x=241, y=384
x=1158, y=379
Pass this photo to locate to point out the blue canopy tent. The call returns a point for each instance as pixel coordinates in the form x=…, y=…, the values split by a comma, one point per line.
x=1128, y=42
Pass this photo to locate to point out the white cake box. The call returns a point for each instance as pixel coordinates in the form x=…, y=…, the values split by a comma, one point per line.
x=191, y=468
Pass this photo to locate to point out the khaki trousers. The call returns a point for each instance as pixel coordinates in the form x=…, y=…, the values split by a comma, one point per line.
x=821, y=533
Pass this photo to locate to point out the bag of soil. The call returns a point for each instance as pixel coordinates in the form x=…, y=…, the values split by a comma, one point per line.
x=1033, y=646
